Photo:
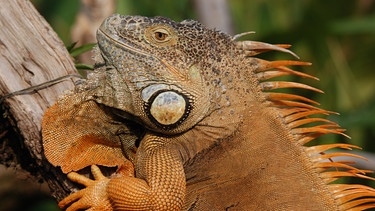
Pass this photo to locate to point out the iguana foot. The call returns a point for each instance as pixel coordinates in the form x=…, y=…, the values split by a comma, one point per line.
x=93, y=197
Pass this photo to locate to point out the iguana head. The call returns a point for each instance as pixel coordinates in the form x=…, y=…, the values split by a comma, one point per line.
x=166, y=67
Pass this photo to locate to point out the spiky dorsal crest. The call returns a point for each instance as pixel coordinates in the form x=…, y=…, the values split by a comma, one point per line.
x=297, y=112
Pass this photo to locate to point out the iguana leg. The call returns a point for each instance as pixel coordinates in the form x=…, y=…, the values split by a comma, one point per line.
x=160, y=183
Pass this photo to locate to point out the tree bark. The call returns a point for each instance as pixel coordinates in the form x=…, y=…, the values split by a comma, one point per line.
x=30, y=54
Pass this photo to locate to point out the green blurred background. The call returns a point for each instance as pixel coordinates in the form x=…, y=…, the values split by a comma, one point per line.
x=337, y=36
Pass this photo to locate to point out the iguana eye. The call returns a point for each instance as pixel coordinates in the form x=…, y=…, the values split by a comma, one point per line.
x=160, y=35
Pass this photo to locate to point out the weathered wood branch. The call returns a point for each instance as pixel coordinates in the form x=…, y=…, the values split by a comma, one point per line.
x=30, y=54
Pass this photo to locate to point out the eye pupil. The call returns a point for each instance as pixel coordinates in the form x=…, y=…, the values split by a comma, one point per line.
x=160, y=36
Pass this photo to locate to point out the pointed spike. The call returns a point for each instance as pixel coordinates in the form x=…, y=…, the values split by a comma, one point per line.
x=320, y=170
x=294, y=104
x=255, y=46
x=347, y=162
x=334, y=188
x=298, y=123
x=322, y=148
x=337, y=174
x=317, y=129
x=352, y=195
x=282, y=71
x=327, y=165
x=271, y=85
x=304, y=114
x=282, y=63
x=270, y=74
x=285, y=112
x=237, y=36
x=366, y=171
x=359, y=204
x=363, y=207
x=351, y=191
x=264, y=65
x=306, y=139
x=284, y=96
x=335, y=155
x=293, y=72
x=329, y=180
x=333, y=127
x=284, y=45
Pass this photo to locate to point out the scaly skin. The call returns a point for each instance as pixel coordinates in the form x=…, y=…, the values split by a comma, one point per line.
x=191, y=109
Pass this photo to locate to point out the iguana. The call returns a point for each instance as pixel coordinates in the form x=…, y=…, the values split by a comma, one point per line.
x=188, y=116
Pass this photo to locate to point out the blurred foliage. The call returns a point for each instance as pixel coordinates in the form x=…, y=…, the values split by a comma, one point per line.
x=76, y=51
x=337, y=36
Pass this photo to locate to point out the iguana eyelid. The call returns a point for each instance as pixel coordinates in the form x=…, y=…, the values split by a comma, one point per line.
x=160, y=35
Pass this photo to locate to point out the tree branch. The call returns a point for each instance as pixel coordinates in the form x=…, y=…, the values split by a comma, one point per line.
x=30, y=54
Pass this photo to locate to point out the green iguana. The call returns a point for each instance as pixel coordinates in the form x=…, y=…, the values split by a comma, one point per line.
x=188, y=116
